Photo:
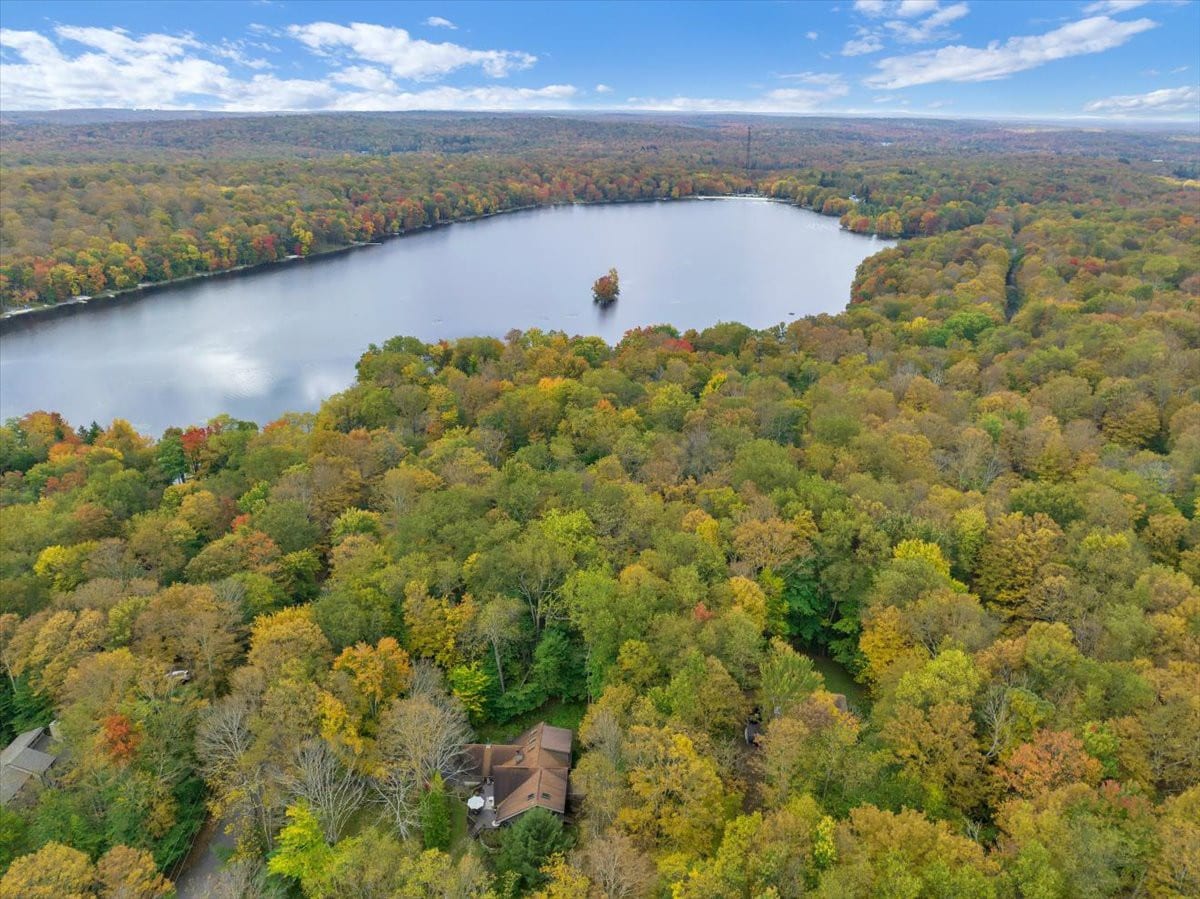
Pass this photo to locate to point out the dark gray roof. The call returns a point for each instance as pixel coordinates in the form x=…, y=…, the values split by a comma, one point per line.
x=19, y=744
x=31, y=761
x=22, y=759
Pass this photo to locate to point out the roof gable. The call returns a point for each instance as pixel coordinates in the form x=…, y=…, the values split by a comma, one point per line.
x=19, y=744
x=32, y=761
x=542, y=789
x=530, y=772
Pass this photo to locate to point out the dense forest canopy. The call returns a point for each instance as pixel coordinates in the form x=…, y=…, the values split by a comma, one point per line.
x=975, y=491
x=91, y=208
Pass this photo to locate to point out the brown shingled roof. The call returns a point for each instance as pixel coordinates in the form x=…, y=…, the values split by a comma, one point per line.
x=544, y=787
x=530, y=772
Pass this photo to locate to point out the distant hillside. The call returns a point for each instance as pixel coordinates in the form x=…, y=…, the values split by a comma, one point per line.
x=103, y=116
x=61, y=137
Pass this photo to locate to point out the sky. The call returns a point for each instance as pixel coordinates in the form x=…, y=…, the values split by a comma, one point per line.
x=1133, y=60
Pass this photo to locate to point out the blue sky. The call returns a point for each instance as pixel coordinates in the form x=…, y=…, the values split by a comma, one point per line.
x=1129, y=59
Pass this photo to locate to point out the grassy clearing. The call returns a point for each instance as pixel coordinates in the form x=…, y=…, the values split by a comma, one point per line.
x=555, y=712
x=839, y=680
x=459, y=841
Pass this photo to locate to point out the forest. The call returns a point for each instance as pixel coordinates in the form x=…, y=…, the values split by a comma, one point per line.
x=91, y=209
x=941, y=549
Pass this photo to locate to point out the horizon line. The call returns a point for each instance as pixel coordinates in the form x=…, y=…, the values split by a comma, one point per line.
x=932, y=115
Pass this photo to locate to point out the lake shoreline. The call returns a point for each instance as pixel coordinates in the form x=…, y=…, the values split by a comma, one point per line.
x=14, y=320
x=256, y=348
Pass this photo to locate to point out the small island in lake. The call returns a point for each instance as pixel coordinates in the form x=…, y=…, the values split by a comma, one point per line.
x=606, y=288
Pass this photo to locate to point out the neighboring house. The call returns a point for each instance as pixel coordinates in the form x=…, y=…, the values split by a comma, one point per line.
x=24, y=758
x=753, y=731
x=531, y=772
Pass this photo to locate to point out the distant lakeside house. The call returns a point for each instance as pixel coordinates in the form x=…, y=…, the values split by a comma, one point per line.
x=25, y=758
x=512, y=778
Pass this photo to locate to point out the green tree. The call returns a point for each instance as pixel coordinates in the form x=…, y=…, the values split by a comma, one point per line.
x=785, y=678
x=1012, y=557
x=688, y=819
x=435, y=815
x=528, y=844
x=905, y=854
x=470, y=686
x=301, y=851
x=170, y=456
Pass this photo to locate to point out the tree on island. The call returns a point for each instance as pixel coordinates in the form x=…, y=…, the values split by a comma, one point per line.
x=607, y=288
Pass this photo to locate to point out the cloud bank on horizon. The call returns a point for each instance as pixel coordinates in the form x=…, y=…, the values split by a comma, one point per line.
x=946, y=58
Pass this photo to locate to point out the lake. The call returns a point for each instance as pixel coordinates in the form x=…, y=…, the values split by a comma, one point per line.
x=285, y=338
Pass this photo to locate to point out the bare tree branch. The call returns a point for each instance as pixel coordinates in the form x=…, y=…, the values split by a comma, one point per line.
x=332, y=790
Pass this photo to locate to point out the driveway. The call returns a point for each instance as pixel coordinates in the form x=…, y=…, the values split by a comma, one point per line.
x=203, y=861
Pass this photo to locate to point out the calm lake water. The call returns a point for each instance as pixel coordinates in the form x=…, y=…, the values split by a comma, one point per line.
x=284, y=339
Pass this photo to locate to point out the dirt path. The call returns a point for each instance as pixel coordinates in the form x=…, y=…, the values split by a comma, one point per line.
x=203, y=861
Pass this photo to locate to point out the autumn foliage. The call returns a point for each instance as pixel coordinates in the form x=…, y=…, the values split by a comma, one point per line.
x=940, y=550
x=120, y=737
x=606, y=288
x=1051, y=760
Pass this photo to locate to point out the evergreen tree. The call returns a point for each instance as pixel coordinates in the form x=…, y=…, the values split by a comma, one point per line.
x=171, y=458
x=527, y=845
x=435, y=815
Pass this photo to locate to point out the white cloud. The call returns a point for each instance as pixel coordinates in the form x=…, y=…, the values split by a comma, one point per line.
x=902, y=9
x=930, y=28
x=602, y=89
x=117, y=42
x=999, y=60
x=375, y=93
x=406, y=57
x=870, y=7
x=908, y=21
x=439, y=22
x=266, y=93
x=235, y=51
x=367, y=78
x=862, y=45
x=781, y=101
x=1167, y=100
x=811, y=35
x=1104, y=7
x=490, y=98
x=117, y=69
x=823, y=78
x=912, y=8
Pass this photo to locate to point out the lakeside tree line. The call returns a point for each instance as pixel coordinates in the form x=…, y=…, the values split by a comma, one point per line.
x=86, y=209
x=975, y=490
